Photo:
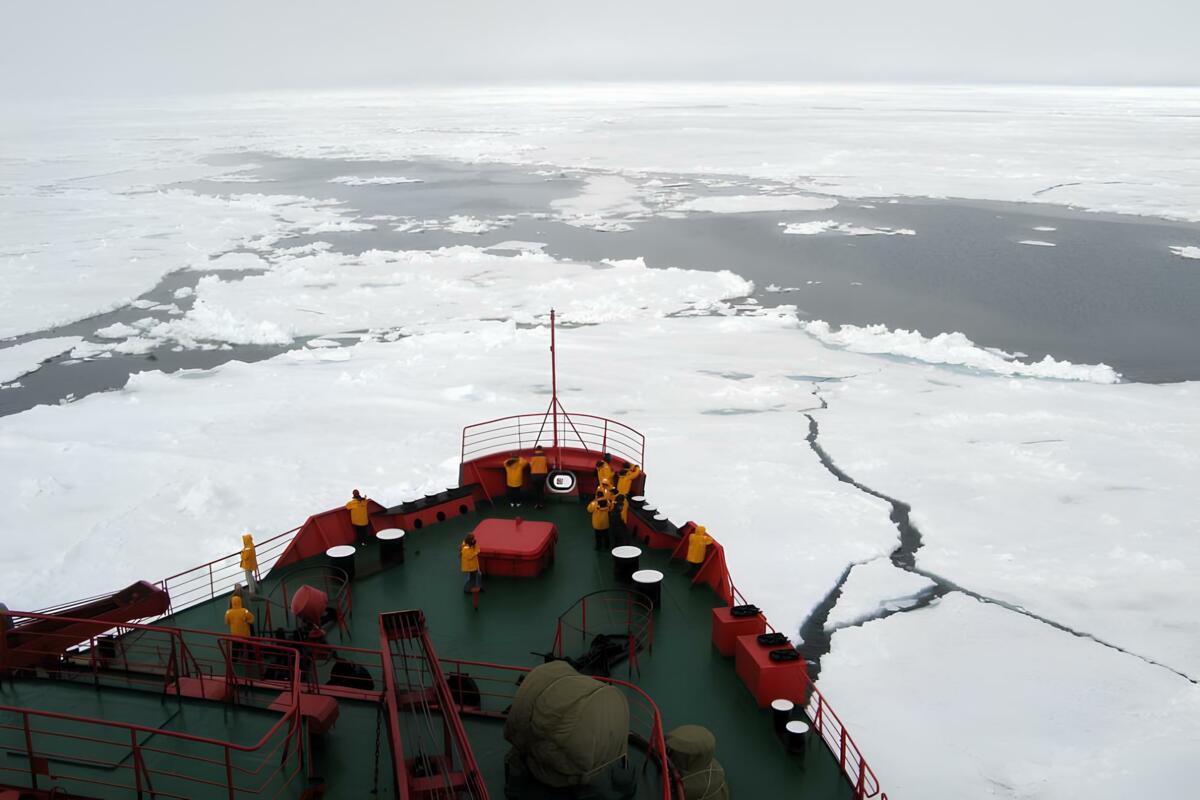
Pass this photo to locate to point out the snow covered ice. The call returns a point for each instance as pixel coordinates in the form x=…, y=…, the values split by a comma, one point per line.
x=1059, y=494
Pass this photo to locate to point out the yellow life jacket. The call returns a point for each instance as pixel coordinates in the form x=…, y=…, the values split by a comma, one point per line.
x=538, y=465
x=468, y=556
x=599, y=510
x=358, y=511
x=604, y=472
x=249, y=558
x=237, y=618
x=514, y=472
x=698, y=544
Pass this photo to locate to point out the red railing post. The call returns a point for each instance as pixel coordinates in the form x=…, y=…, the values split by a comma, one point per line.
x=604, y=441
x=29, y=749
x=229, y=773
x=137, y=762
x=842, y=755
x=212, y=589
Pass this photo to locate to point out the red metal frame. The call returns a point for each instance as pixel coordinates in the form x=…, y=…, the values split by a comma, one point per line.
x=615, y=607
x=165, y=673
x=429, y=697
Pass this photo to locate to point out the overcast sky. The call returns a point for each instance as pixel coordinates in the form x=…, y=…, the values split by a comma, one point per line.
x=137, y=47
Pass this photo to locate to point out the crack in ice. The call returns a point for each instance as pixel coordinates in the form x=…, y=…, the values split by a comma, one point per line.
x=904, y=557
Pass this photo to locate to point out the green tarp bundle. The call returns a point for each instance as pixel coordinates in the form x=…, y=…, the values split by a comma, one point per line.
x=692, y=749
x=566, y=727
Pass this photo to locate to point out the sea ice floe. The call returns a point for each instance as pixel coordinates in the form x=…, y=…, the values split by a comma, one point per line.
x=518, y=246
x=1187, y=251
x=380, y=180
x=21, y=359
x=1044, y=228
x=953, y=348
x=747, y=203
x=1041, y=713
x=831, y=226
x=455, y=223
x=1036, y=243
x=84, y=252
x=603, y=204
x=873, y=588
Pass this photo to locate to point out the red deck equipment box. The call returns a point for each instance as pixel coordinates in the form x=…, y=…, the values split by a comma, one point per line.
x=769, y=680
x=726, y=628
x=515, y=547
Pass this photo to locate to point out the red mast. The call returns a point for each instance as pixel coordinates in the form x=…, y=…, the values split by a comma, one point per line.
x=554, y=393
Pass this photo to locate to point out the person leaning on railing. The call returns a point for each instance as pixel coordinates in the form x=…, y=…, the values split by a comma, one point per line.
x=360, y=517
x=514, y=478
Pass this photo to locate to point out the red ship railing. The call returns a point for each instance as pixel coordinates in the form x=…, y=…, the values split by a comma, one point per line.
x=157, y=761
x=218, y=577
x=611, y=612
x=526, y=431
x=829, y=726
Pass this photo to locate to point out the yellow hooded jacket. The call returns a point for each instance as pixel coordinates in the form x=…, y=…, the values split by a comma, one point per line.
x=538, y=465
x=249, y=557
x=468, y=556
x=237, y=618
x=358, y=511
x=698, y=544
x=604, y=472
x=599, y=509
x=625, y=482
x=513, y=472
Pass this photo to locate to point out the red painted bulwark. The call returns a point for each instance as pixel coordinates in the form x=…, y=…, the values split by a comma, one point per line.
x=488, y=471
x=321, y=532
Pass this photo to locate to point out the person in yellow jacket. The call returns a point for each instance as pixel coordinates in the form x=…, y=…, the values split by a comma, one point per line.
x=539, y=467
x=239, y=621
x=626, y=477
x=360, y=517
x=468, y=558
x=697, y=549
x=249, y=563
x=514, y=478
x=600, y=509
x=604, y=470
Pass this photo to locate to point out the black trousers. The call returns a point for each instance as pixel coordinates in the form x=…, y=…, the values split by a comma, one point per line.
x=539, y=488
x=514, y=494
x=603, y=542
x=363, y=533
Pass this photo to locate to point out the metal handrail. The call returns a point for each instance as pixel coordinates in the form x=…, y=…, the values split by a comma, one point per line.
x=168, y=663
x=593, y=433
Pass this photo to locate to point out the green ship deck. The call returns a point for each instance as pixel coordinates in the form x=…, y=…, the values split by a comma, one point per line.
x=516, y=617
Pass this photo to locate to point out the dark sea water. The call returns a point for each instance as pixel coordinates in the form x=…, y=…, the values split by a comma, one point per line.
x=1110, y=291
